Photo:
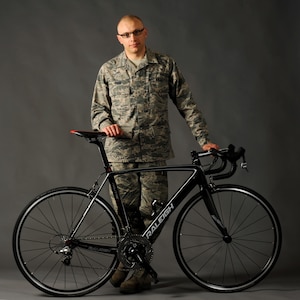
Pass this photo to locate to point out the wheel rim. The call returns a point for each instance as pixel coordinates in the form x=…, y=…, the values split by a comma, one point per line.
x=42, y=236
x=239, y=261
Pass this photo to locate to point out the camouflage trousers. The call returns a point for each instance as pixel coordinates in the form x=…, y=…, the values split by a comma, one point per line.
x=138, y=190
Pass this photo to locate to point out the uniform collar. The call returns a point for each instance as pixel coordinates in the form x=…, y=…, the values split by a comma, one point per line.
x=151, y=58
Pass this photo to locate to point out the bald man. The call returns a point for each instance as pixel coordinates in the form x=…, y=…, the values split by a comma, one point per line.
x=130, y=104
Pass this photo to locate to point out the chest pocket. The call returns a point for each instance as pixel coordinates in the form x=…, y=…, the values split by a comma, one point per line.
x=119, y=88
x=159, y=81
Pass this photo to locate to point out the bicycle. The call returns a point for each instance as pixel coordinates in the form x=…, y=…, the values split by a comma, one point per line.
x=68, y=241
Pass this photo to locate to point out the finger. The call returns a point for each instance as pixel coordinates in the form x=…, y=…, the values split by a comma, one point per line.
x=108, y=130
x=209, y=146
x=105, y=130
x=115, y=129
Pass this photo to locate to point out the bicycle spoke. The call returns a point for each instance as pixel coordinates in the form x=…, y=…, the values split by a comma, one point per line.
x=47, y=256
x=227, y=264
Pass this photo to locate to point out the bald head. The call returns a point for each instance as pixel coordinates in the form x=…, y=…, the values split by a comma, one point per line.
x=130, y=19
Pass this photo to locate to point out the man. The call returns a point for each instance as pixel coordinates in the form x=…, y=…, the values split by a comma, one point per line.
x=130, y=104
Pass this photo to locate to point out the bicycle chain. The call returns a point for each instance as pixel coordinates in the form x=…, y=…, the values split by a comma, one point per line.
x=123, y=242
x=99, y=238
x=104, y=238
x=121, y=239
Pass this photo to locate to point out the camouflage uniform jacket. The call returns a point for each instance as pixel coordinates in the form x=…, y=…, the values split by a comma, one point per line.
x=138, y=102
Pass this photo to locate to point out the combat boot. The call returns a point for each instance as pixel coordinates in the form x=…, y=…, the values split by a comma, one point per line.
x=119, y=276
x=139, y=281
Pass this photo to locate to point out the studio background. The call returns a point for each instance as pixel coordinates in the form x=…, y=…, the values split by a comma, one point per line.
x=240, y=58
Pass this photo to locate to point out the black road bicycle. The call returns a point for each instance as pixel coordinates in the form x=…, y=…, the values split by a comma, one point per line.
x=68, y=241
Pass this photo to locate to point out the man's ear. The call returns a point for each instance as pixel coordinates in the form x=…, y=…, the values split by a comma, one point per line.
x=119, y=39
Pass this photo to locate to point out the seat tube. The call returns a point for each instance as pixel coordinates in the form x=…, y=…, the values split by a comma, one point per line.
x=120, y=206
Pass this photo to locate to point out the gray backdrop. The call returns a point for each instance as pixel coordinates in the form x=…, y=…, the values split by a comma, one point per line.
x=240, y=57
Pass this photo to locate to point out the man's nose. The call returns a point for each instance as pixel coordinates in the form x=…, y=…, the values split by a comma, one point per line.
x=132, y=37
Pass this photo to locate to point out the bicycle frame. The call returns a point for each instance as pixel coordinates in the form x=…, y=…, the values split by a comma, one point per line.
x=196, y=178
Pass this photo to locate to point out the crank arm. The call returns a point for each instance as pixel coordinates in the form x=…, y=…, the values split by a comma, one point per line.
x=148, y=268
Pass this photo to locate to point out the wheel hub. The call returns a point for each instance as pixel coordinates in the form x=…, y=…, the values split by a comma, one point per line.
x=227, y=239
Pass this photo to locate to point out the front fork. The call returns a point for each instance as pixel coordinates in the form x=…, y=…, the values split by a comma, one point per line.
x=209, y=202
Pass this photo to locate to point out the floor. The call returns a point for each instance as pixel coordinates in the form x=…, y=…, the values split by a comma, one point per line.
x=14, y=287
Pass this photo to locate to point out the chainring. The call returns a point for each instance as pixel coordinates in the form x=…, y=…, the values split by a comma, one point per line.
x=131, y=244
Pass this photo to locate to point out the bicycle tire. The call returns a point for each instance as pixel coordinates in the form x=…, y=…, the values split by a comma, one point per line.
x=41, y=230
x=222, y=266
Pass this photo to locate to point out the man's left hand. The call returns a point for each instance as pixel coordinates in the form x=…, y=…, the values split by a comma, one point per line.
x=209, y=146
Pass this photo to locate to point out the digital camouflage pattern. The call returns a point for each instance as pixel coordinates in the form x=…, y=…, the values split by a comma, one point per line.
x=137, y=100
x=138, y=190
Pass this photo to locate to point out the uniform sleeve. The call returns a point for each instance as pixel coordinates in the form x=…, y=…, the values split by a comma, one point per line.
x=183, y=99
x=101, y=103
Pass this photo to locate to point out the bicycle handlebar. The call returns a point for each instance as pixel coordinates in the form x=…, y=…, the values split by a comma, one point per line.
x=226, y=155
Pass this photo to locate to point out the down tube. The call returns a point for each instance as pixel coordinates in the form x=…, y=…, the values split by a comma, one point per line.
x=173, y=203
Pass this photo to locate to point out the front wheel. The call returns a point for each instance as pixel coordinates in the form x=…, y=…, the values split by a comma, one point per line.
x=51, y=260
x=227, y=265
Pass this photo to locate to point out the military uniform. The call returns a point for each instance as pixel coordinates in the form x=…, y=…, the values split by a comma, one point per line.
x=136, y=98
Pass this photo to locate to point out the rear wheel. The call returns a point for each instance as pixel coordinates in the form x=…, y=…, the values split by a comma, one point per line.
x=227, y=265
x=49, y=259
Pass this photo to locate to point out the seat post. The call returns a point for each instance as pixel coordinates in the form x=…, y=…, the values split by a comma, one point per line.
x=103, y=155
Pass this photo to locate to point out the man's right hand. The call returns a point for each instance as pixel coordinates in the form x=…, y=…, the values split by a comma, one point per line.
x=113, y=130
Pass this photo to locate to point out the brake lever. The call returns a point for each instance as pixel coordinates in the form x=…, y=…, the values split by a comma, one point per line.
x=244, y=164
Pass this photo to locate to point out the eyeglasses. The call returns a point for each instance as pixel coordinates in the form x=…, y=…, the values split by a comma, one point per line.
x=137, y=32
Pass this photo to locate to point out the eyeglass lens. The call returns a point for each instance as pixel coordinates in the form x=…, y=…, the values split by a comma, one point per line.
x=136, y=32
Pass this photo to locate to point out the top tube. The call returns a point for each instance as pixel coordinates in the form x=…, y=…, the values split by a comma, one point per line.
x=226, y=155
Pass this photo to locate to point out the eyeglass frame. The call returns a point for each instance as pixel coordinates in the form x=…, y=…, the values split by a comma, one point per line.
x=127, y=35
